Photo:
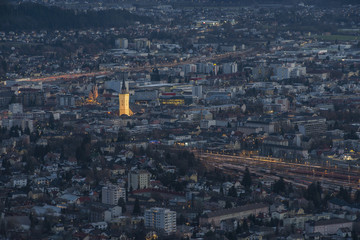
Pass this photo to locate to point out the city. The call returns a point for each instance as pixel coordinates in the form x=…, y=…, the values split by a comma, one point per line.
x=233, y=120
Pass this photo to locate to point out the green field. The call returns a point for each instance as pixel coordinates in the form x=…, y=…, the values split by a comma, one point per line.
x=337, y=37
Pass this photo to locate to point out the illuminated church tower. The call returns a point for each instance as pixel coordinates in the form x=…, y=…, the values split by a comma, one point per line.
x=124, y=107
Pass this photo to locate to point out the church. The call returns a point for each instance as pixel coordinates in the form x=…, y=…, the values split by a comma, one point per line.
x=124, y=97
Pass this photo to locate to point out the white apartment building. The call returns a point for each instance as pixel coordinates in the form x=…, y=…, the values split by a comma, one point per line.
x=19, y=182
x=161, y=219
x=122, y=43
x=229, y=68
x=138, y=180
x=287, y=71
x=112, y=193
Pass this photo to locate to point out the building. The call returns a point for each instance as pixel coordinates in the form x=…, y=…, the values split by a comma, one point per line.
x=141, y=43
x=311, y=126
x=5, y=97
x=160, y=219
x=189, y=68
x=65, y=100
x=287, y=71
x=327, y=227
x=30, y=97
x=207, y=23
x=103, y=212
x=112, y=193
x=145, y=97
x=266, y=126
x=204, y=67
x=124, y=97
x=16, y=108
x=197, y=91
x=242, y=212
x=138, y=180
x=19, y=181
x=229, y=68
x=122, y=43
x=171, y=99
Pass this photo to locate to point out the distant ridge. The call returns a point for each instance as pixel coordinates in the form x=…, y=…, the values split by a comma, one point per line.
x=318, y=3
x=31, y=16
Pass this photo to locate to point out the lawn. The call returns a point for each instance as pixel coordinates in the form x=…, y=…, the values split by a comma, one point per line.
x=337, y=37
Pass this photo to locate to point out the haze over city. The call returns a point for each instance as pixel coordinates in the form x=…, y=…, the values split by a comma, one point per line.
x=179, y=119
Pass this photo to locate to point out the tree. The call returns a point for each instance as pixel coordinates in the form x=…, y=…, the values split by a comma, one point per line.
x=51, y=121
x=228, y=204
x=313, y=193
x=83, y=151
x=279, y=186
x=357, y=197
x=343, y=194
x=122, y=204
x=232, y=192
x=137, y=209
x=122, y=135
x=181, y=220
x=245, y=226
x=246, y=181
x=222, y=190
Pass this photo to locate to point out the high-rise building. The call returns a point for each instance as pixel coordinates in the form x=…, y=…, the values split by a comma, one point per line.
x=138, y=179
x=197, y=91
x=16, y=108
x=124, y=97
x=65, y=100
x=141, y=43
x=122, y=43
x=229, y=68
x=189, y=68
x=160, y=219
x=112, y=193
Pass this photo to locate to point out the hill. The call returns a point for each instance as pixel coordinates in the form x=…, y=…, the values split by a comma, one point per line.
x=31, y=16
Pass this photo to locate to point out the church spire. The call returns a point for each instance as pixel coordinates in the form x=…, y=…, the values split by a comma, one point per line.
x=123, y=88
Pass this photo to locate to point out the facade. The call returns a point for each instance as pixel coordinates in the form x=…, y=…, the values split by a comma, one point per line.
x=138, y=180
x=142, y=43
x=145, y=97
x=31, y=97
x=327, y=227
x=19, y=182
x=5, y=97
x=189, y=68
x=112, y=193
x=124, y=97
x=287, y=71
x=197, y=91
x=229, y=68
x=266, y=126
x=242, y=212
x=16, y=108
x=122, y=43
x=311, y=126
x=161, y=219
x=65, y=100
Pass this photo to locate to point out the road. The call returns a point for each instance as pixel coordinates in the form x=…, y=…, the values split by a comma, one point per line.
x=69, y=76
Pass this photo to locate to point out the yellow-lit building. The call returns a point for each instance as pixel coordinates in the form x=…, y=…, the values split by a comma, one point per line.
x=124, y=97
x=172, y=101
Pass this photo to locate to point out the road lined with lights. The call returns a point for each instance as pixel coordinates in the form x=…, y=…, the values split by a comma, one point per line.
x=71, y=76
